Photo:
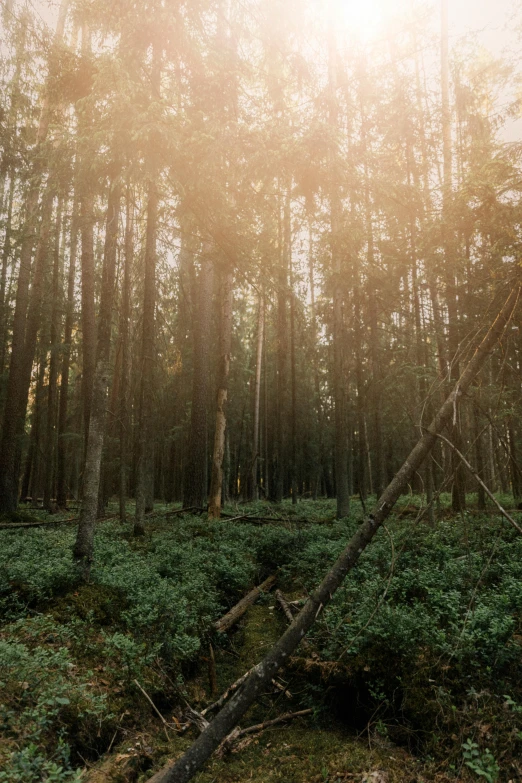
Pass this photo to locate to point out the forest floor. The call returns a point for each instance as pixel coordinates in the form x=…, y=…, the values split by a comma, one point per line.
x=414, y=673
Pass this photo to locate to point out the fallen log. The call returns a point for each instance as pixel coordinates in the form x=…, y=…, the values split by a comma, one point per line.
x=237, y=611
x=22, y=525
x=284, y=606
x=236, y=519
x=48, y=522
x=187, y=510
x=209, y=740
x=261, y=520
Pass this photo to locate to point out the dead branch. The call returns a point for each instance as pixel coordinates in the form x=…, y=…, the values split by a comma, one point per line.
x=238, y=733
x=236, y=519
x=158, y=713
x=222, y=699
x=284, y=606
x=484, y=487
x=237, y=611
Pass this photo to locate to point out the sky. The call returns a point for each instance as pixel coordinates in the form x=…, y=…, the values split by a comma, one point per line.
x=488, y=17
x=491, y=21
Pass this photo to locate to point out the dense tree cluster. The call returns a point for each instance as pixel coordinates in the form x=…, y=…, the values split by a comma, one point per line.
x=245, y=255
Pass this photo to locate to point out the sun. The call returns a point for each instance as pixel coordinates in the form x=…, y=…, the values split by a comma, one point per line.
x=359, y=18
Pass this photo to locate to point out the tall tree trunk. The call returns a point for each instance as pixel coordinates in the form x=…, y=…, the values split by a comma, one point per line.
x=88, y=316
x=479, y=459
x=515, y=477
x=362, y=457
x=195, y=478
x=342, y=486
x=216, y=484
x=377, y=440
x=279, y=440
x=293, y=375
x=6, y=252
x=31, y=475
x=84, y=544
x=125, y=357
x=320, y=462
x=254, y=493
x=145, y=444
x=61, y=466
x=53, y=367
x=458, y=496
x=88, y=309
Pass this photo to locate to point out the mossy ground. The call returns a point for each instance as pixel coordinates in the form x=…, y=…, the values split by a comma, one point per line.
x=314, y=749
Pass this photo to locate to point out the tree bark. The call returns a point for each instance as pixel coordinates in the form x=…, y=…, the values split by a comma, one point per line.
x=195, y=479
x=195, y=757
x=293, y=373
x=254, y=489
x=88, y=316
x=125, y=354
x=145, y=460
x=458, y=496
x=52, y=384
x=342, y=487
x=88, y=312
x=279, y=439
x=237, y=611
x=6, y=252
x=145, y=446
x=216, y=483
x=84, y=544
x=61, y=479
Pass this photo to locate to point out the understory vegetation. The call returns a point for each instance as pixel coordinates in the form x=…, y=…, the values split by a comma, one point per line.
x=418, y=653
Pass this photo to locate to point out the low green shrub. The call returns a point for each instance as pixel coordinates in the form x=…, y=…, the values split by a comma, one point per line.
x=425, y=631
x=43, y=695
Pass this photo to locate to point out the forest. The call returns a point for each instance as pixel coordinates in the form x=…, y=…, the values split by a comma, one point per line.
x=260, y=392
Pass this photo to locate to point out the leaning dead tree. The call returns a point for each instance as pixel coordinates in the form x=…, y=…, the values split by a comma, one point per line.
x=255, y=684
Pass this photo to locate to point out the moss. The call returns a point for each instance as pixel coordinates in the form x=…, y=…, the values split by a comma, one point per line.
x=303, y=753
x=258, y=633
x=98, y=603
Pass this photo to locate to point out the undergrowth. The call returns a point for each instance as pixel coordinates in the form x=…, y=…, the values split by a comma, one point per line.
x=421, y=645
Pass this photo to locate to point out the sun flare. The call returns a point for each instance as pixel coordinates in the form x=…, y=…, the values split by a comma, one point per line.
x=359, y=18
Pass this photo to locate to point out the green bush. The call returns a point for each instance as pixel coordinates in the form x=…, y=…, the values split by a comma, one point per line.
x=43, y=695
x=417, y=632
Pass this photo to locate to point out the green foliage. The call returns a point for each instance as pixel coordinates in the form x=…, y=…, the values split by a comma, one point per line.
x=43, y=695
x=426, y=632
x=30, y=766
x=35, y=564
x=483, y=763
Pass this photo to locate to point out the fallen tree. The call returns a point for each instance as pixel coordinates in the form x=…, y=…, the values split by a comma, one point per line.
x=237, y=611
x=210, y=739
